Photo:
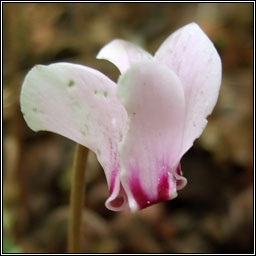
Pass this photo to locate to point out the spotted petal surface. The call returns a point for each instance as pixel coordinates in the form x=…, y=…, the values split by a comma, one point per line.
x=192, y=56
x=79, y=103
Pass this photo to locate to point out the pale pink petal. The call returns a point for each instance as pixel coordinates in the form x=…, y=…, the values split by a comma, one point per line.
x=122, y=54
x=193, y=57
x=79, y=103
x=149, y=153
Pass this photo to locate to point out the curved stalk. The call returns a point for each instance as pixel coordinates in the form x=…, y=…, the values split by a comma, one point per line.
x=77, y=199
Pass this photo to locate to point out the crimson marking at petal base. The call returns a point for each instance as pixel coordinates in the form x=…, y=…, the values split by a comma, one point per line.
x=117, y=202
x=178, y=170
x=113, y=179
x=163, y=188
x=115, y=167
x=179, y=179
x=139, y=194
x=120, y=199
x=142, y=199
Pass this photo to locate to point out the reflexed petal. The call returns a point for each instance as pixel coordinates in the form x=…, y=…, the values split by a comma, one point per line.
x=193, y=57
x=122, y=54
x=79, y=103
x=149, y=153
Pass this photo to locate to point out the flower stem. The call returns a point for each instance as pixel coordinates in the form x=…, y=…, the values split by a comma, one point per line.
x=77, y=198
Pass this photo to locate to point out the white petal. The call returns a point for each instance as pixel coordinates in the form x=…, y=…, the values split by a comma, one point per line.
x=154, y=99
x=79, y=103
x=122, y=54
x=193, y=57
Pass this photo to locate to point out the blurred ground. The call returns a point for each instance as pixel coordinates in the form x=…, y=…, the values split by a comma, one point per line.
x=212, y=214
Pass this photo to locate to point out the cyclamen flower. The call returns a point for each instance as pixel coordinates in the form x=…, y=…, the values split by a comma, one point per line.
x=140, y=127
